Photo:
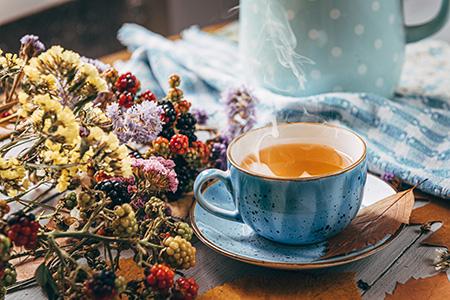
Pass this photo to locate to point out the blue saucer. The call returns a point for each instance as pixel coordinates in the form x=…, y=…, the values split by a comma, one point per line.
x=239, y=241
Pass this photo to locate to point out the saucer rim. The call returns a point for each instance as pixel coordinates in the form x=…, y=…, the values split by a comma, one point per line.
x=318, y=264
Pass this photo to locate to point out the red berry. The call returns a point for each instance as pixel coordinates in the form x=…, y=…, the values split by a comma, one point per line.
x=185, y=289
x=128, y=83
x=160, y=278
x=126, y=99
x=183, y=106
x=23, y=230
x=148, y=96
x=179, y=144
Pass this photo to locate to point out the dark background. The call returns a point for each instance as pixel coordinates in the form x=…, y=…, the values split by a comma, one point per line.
x=90, y=26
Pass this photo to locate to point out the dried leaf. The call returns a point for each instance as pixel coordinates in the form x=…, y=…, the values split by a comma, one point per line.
x=431, y=288
x=373, y=224
x=129, y=270
x=26, y=268
x=438, y=210
x=302, y=286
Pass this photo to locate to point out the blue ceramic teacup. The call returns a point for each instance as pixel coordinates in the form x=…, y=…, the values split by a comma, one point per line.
x=292, y=211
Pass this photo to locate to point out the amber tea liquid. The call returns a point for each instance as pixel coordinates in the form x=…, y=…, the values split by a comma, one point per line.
x=297, y=160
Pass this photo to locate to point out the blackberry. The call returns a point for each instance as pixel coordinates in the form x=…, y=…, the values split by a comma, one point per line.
x=102, y=285
x=117, y=191
x=186, y=176
x=186, y=122
x=167, y=132
x=169, y=115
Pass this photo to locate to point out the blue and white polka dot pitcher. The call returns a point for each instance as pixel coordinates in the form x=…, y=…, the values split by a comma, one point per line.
x=307, y=47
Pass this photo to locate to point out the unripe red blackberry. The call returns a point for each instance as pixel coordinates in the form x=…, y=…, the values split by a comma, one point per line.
x=179, y=144
x=23, y=230
x=179, y=253
x=148, y=96
x=185, y=289
x=127, y=83
x=126, y=99
x=183, y=106
x=160, y=278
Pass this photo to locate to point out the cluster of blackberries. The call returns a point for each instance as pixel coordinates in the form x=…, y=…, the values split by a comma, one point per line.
x=116, y=190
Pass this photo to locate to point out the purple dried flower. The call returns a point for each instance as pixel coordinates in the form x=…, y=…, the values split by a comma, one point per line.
x=200, y=115
x=155, y=174
x=140, y=123
x=138, y=202
x=219, y=154
x=31, y=46
x=388, y=176
x=241, y=110
x=101, y=66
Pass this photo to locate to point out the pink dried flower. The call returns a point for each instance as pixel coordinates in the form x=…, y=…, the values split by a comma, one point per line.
x=155, y=174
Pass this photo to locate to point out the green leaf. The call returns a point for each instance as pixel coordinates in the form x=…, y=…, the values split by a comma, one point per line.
x=45, y=279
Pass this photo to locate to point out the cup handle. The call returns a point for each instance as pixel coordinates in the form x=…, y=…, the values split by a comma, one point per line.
x=415, y=33
x=215, y=210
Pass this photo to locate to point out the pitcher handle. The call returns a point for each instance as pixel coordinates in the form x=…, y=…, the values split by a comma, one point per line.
x=207, y=175
x=415, y=33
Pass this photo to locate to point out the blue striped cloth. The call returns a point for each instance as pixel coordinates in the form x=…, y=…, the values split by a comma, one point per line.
x=407, y=135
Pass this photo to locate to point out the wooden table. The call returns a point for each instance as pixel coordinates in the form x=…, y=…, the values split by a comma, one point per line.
x=399, y=261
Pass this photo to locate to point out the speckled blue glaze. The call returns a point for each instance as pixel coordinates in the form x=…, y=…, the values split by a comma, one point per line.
x=240, y=241
x=291, y=212
x=299, y=212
